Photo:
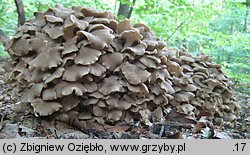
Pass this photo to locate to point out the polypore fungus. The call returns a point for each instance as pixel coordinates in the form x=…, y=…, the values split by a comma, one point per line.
x=82, y=66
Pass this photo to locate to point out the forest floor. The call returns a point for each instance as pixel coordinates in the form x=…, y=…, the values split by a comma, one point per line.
x=16, y=122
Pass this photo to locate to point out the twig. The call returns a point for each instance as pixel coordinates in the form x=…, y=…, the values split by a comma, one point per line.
x=179, y=26
x=1, y=122
x=20, y=12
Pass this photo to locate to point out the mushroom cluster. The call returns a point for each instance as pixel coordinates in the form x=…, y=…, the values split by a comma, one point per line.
x=201, y=88
x=81, y=65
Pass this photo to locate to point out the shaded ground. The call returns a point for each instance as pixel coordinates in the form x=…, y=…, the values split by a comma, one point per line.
x=17, y=121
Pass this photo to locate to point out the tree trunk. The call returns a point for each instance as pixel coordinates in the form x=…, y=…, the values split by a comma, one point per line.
x=245, y=21
x=4, y=38
x=131, y=9
x=20, y=12
x=125, y=9
x=231, y=28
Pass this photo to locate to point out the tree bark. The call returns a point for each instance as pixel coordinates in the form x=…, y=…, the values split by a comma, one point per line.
x=20, y=12
x=245, y=20
x=131, y=9
x=4, y=38
x=125, y=9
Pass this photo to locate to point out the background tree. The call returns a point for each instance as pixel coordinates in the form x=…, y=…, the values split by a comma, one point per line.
x=20, y=12
x=125, y=8
x=247, y=4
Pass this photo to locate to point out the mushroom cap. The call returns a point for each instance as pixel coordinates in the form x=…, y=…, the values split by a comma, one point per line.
x=70, y=46
x=75, y=72
x=45, y=108
x=69, y=102
x=212, y=83
x=114, y=115
x=21, y=47
x=98, y=39
x=124, y=25
x=57, y=74
x=167, y=87
x=32, y=93
x=84, y=116
x=131, y=36
x=47, y=60
x=87, y=56
x=97, y=111
x=148, y=62
x=112, y=60
x=97, y=69
x=79, y=23
x=157, y=114
x=90, y=86
x=94, y=13
x=113, y=101
x=138, y=49
x=53, y=19
x=187, y=58
x=134, y=74
x=110, y=85
x=53, y=31
x=145, y=27
x=173, y=67
x=67, y=88
x=184, y=96
x=49, y=94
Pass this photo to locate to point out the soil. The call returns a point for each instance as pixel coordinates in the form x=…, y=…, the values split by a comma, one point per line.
x=17, y=121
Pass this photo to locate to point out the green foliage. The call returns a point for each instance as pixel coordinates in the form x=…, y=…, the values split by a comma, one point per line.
x=8, y=19
x=214, y=27
x=3, y=54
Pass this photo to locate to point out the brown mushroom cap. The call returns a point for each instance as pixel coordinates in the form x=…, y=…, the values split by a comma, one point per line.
x=70, y=46
x=131, y=37
x=81, y=24
x=110, y=85
x=67, y=88
x=98, y=39
x=113, y=101
x=32, y=93
x=134, y=74
x=53, y=31
x=21, y=47
x=87, y=56
x=184, y=96
x=114, y=115
x=57, y=74
x=45, y=108
x=124, y=25
x=138, y=49
x=47, y=60
x=69, y=102
x=84, y=116
x=75, y=72
x=112, y=60
x=94, y=13
x=53, y=19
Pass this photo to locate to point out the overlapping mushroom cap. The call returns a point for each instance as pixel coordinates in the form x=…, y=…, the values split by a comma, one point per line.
x=81, y=65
